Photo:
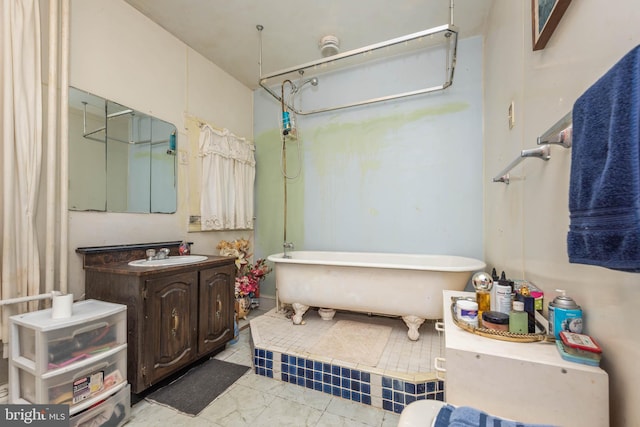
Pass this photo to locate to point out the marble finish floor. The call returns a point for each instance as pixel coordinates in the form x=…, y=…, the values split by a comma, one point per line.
x=260, y=401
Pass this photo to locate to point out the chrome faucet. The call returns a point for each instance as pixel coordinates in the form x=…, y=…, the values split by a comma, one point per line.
x=163, y=253
x=151, y=254
x=285, y=246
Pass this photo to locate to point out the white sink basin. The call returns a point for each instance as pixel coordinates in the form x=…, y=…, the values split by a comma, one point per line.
x=172, y=260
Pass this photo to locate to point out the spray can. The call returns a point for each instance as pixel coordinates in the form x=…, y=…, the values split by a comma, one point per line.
x=564, y=315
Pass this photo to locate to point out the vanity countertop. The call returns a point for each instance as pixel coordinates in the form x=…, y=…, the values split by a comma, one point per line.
x=123, y=267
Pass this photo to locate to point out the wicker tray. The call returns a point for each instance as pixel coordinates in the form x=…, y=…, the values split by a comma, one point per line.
x=499, y=335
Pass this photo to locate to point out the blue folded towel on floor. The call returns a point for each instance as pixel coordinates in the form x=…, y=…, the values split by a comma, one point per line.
x=604, y=188
x=464, y=416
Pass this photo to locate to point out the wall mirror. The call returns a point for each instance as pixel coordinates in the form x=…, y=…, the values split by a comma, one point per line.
x=120, y=160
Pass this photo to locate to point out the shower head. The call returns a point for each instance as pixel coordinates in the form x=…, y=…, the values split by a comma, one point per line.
x=312, y=80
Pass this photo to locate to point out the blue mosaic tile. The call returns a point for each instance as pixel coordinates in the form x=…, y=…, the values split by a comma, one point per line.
x=335, y=381
x=398, y=397
x=386, y=382
x=346, y=383
x=365, y=377
x=293, y=360
x=326, y=367
x=431, y=396
x=284, y=358
x=261, y=353
x=317, y=366
x=431, y=387
x=269, y=364
x=409, y=388
x=397, y=408
x=366, y=399
x=387, y=394
x=284, y=377
x=421, y=388
x=326, y=378
x=355, y=386
x=440, y=396
x=309, y=383
x=409, y=399
x=255, y=352
x=317, y=376
x=326, y=388
x=346, y=372
x=301, y=361
x=398, y=385
x=317, y=386
x=301, y=381
x=366, y=388
x=335, y=391
x=440, y=385
x=300, y=372
x=355, y=396
x=387, y=405
x=355, y=374
x=346, y=394
x=293, y=370
x=335, y=370
x=270, y=374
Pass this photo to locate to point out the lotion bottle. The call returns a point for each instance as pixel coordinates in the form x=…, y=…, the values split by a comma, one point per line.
x=518, y=319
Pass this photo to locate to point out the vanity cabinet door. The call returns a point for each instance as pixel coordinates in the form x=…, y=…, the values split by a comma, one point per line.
x=170, y=324
x=215, y=319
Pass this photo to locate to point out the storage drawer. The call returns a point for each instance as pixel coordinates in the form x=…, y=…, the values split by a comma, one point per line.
x=79, y=382
x=45, y=343
x=113, y=412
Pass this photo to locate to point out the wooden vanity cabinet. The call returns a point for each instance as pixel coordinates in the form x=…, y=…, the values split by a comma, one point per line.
x=175, y=315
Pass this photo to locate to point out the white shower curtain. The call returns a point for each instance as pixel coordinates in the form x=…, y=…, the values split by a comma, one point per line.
x=228, y=174
x=21, y=112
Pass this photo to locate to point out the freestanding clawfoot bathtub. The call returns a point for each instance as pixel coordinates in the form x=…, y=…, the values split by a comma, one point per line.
x=403, y=285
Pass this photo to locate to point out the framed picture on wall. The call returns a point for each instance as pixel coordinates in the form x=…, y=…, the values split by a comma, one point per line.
x=545, y=16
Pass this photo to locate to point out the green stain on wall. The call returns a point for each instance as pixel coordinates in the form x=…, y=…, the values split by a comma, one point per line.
x=331, y=147
x=335, y=144
x=270, y=192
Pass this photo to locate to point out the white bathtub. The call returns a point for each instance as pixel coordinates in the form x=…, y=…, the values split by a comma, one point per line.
x=403, y=285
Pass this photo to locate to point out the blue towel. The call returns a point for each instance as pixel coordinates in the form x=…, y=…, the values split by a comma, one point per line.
x=464, y=416
x=604, y=188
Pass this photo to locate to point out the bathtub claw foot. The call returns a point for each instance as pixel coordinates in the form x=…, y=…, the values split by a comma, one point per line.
x=413, y=322
x=326, y=313
x=299, y=309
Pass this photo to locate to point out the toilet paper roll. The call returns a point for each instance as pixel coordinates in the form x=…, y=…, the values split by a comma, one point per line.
x=62, y=306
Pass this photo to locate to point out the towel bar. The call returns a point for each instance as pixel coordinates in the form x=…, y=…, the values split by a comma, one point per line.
x=541, y=152
x=560, y=133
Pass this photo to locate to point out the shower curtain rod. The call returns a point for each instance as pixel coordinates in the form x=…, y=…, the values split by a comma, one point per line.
x=449, y=31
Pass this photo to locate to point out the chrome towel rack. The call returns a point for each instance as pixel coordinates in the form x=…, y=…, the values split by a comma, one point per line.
x=558, y=134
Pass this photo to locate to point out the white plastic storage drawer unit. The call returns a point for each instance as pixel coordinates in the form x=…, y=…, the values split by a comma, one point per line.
x=113, y=412
x=44, y=343
x=79, y=361
x=77, y=383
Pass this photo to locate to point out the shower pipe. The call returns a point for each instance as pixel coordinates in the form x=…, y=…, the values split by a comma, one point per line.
x=450, y=31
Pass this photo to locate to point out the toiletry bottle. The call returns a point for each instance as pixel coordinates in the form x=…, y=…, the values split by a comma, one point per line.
x=503, y=290
x=184, y=248
x=518, y=319
x=482, y=283
x=494, y=276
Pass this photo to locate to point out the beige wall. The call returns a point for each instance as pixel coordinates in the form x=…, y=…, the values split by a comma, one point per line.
x=526, y=222
x=119, y=54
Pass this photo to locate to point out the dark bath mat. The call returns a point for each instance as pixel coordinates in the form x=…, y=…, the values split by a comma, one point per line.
x=193, y=391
